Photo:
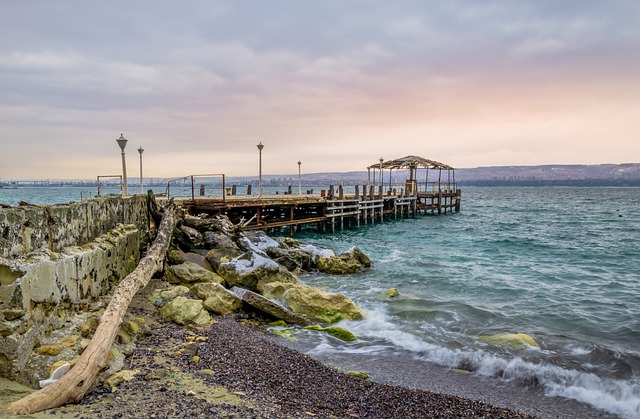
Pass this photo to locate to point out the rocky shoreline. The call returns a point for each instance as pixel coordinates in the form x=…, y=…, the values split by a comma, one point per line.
x=235, y=369
x=194, y=342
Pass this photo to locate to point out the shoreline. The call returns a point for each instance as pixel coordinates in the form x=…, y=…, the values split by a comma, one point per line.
x=242, y=371
x=399, y=371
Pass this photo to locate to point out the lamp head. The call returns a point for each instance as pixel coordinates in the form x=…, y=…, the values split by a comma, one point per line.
x=260, y=146
x=140, y=150
x=122, y=142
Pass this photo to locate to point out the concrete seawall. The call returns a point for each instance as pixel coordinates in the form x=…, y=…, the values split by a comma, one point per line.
x=56, y=259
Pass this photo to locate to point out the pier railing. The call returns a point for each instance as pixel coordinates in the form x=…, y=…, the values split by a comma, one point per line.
x=207, y=185
x=109, y=177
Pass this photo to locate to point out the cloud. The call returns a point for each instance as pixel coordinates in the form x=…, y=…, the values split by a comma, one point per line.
x=331, y=83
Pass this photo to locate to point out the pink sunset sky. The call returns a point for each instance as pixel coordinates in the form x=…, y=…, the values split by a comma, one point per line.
x=336, y=84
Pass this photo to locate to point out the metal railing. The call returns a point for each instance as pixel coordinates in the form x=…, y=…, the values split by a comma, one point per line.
x=207, y=186
x=109, y=177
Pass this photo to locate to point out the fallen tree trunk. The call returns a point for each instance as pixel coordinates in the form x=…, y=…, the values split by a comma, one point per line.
x=75, y=384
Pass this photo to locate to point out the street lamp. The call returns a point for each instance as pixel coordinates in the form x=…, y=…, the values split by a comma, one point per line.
x=381, y=178
x=122, y=142
x=299, y=189
x=260, y=147
x=140, y=150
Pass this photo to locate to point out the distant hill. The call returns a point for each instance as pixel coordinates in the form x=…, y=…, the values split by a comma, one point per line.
x=627, y=174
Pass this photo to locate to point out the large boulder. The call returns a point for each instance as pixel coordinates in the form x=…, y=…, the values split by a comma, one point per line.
x=185, y=311
x=253, y=271
x=189, y=273
x=321, y=306
x=349, y=262
x=269, y=307
x=216, y=298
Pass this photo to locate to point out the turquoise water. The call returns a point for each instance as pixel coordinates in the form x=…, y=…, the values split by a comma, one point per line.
x=560, y=264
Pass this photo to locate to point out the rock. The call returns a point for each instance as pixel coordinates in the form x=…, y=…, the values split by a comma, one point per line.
x=216, y=298
x=193, y=235
x=321, y=306
x=289, y=243
x=276, y=290
x=358, y=374
x=185, y=311
x=253, y=271
x=347, y=263
x=219, y=256
x=335, y=331
x=391, y=293
x=269, y=307
x=198, y=259
x=296, y=261
x=11, y=315
x=117, y=378
x=205, y=372
x=176, y=257
x=160, y=296
x=511, y=340
x=217, y=240
x=49, y=350
x=89, y=327
x=189, y=273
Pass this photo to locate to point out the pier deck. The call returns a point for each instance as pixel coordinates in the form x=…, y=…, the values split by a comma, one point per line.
x=327, y=212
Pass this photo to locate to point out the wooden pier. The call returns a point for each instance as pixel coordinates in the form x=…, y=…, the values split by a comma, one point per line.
x=336, y=208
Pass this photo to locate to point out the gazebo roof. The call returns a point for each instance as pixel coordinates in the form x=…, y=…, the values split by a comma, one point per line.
x=411, y=162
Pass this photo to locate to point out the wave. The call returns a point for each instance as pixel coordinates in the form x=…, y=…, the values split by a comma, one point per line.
x=381, y=335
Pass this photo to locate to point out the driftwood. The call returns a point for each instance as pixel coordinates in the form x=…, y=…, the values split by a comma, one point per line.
x=77, y=382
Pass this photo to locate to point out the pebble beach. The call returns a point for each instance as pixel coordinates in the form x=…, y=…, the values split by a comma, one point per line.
x=237, y=369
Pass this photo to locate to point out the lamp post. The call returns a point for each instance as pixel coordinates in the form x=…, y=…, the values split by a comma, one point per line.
x=140, y=150
x=260, y=147
x=381, y=178
x=299, y=188
x=122, y=142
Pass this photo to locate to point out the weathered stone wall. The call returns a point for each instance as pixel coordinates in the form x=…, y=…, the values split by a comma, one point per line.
x=60, y=258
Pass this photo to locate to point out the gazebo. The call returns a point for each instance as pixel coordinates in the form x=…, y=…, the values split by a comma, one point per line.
x=412, y=185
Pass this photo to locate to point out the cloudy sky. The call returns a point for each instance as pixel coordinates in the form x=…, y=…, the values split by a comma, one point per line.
x=336, y=84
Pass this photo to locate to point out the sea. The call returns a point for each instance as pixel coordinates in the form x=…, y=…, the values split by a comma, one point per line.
x=560, y=264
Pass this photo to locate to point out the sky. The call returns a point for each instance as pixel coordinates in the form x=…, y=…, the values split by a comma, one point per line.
x=334, y=84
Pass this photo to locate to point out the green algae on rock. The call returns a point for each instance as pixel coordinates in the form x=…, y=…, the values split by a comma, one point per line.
x=510, y=340
x=335, y=331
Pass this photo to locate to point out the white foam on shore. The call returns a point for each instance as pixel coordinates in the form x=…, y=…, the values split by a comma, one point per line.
x=621, y=397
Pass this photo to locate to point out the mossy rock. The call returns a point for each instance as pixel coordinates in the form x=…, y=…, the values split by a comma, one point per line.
x=335, y=331
x=167, y=294
x=188, y=273
x=514, y=341
x=322, y=306
x=185, y=311
x=357, y=374
x=391, y=293
x=49, y=350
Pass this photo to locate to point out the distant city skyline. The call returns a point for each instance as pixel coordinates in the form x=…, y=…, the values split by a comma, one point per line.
x=333, y=84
